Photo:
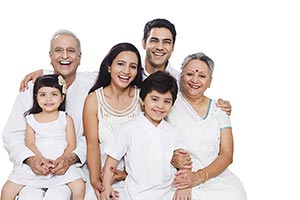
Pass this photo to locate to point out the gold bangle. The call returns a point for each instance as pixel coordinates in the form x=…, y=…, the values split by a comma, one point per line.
x=206, y=175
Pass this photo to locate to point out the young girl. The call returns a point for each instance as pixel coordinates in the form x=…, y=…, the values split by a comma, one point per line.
x=147, y=144
x=113, y=100
x=49, y=134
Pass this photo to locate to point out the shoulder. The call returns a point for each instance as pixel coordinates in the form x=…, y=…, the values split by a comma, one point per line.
x=87, y=76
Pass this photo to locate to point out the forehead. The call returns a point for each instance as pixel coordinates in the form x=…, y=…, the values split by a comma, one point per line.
x=48, y=89
x=64, y=41
x=197, y=64
x=161, y=33
x=160, y=95
x=127, y=56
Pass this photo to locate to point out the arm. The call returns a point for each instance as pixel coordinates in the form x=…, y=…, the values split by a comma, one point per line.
x=108, y=178
x=90, y=124
x=225, y=106
x=30, y=141
x=71, y=137
x=215, y=168
x=62, y=163
x=30, y=77
x=39, y=169
x=14, y=132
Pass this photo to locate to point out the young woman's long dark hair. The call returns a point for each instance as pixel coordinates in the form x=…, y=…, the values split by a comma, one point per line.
x=50, y=80
x=104, y=77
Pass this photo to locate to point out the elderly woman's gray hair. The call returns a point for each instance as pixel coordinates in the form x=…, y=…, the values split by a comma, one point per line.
x=199, y=56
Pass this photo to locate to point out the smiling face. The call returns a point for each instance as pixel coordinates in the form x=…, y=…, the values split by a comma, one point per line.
x=123, y=69
x=195, y=78
x=49, y=99
x=65, y=56
x=157, y=106
x=159, y=47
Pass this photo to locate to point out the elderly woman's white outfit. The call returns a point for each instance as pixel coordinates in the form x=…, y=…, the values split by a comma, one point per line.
x=203, y=138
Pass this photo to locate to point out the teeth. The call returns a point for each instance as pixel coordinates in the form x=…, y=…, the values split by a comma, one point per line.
x=159, y=54
x=64, y=62
x=195, y=86
x=125, y=77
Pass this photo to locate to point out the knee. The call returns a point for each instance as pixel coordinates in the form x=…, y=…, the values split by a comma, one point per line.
x=77, y=188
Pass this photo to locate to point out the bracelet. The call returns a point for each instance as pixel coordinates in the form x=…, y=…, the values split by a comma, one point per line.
x=206, y=175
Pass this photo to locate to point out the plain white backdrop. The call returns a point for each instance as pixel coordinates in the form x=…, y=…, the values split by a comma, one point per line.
x=255, y=46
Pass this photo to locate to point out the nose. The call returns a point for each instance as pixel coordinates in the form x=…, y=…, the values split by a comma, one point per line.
x=65, y=54
x=196, y=79
x=126, y=69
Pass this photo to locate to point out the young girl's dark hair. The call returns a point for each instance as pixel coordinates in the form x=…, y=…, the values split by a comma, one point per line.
x=104, y=77
x=162, y=82
x=51, y=80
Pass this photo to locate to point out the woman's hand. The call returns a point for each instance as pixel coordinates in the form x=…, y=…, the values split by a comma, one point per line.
x=181, y=159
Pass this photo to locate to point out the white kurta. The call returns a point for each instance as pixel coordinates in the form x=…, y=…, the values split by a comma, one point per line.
x=147, y=151
x=50, y=139
x=203, y=138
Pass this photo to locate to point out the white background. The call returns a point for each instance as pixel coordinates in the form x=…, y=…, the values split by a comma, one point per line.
x=255, y=46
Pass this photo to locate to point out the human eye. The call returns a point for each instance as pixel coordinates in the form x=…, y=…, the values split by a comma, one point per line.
x=168, y=41
x=133, y=66
x=71, y=50
x=58, y=50
x=168, y=101
x=154, y=99
x=120, y=63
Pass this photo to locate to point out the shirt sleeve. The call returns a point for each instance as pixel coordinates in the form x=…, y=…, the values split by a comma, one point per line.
x=80, y=150
x=14, y=132
x=119, y=144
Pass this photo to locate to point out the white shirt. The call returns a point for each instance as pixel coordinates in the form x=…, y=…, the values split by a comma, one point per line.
x=174, y=72
x=14, y=131
x=147, y=151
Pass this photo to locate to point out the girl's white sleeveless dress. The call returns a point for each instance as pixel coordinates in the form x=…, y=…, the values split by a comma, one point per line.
x=50, y=139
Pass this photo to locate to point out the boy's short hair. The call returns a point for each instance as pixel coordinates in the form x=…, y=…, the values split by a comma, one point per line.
x=160, y=81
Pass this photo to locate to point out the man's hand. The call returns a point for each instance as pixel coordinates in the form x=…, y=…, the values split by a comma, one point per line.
x=39, y=165
x=181, y=159
x=30, y=77
x=225, y=106
x=62, y=164
x=119, y=175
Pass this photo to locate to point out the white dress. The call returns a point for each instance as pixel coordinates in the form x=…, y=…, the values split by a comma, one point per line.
x=50, y=139
x=109, y=122
x=203, y=138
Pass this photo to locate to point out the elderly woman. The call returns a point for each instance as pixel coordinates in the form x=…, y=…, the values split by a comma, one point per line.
x=208, y=133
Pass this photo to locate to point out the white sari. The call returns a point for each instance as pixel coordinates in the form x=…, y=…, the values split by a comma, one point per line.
x=203, y=138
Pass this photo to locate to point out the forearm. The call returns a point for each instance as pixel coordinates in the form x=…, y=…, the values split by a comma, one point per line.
x=218, y=165
x=94, y=163
x=108, y=174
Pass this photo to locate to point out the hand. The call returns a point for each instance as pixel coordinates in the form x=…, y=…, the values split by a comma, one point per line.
x=39, y=165
x=181, y=159
x=119, y=175
x=183, y=179
x=97, y=186
x=225, y=106
x=30, y=77
x=62, y=164
x=109, y=193
x=185, y=194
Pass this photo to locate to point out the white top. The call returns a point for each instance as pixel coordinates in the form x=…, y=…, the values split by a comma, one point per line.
x=50, y=139
x=147, y=151
x=110, y=121
x=174, y=72
x=203, y=139
x=14, y=131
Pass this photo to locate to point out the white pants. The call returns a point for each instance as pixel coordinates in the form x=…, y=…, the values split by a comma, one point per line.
x=61, y=192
